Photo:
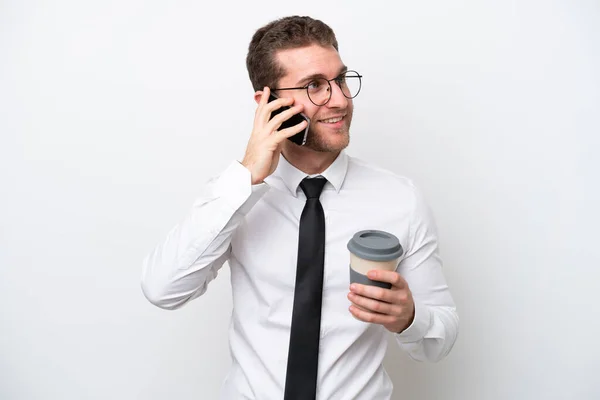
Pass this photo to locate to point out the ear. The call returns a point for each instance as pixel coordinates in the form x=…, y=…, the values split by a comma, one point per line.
x=257, y=96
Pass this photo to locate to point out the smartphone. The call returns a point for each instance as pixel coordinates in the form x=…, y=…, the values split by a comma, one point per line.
x=300, y=137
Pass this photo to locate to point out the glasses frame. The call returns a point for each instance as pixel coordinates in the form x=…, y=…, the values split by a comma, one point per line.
x=359, y=76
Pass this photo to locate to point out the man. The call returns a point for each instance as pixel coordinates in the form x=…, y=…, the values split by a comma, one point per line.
x=253, y=216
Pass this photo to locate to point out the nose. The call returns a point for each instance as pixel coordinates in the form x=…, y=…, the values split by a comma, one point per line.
x=337, y=100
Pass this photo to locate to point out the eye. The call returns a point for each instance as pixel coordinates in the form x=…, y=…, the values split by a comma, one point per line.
x=314, y=85
x=340, y=80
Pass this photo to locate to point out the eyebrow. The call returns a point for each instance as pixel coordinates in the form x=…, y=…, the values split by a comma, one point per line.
x=309, y=78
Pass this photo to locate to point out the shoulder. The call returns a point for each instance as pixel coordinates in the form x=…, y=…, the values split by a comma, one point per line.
x=364, y=172
x=391, y=189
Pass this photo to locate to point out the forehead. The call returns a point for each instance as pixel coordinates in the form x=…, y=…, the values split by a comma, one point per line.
x=304, y=61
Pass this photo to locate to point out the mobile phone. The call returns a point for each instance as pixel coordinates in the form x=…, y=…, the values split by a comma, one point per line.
x=300, y=137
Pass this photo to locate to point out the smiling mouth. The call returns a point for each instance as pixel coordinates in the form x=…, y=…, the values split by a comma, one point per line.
x=332, y=120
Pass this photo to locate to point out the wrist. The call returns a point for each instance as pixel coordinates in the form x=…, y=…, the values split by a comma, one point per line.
x=253, y=179
x=410, y=321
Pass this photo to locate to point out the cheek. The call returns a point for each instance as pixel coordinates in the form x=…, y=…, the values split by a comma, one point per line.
x=311, y=112
x=350, y=106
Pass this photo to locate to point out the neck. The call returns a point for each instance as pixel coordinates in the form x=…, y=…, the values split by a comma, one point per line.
x=309, y=161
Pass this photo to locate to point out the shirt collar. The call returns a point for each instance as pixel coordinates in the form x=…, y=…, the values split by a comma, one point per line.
x=292, y=176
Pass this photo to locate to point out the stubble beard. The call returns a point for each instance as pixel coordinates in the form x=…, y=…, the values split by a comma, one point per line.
x=318, y=141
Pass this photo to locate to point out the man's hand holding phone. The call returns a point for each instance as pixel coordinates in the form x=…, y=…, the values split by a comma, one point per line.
x=266, y=141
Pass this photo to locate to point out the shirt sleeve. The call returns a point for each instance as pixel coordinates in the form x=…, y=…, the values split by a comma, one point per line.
x=434, y=329
x=180, y=267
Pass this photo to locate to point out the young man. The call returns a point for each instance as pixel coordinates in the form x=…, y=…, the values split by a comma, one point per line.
x=296, y=335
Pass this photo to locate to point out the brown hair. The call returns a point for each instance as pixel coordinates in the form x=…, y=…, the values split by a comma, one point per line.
x=282, y=34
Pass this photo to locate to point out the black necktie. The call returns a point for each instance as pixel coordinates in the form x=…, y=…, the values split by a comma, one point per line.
x=303, y=355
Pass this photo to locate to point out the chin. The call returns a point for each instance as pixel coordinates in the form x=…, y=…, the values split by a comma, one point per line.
x=329, y=143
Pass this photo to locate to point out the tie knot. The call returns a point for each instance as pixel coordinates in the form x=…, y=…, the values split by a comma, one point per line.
x=312, y=187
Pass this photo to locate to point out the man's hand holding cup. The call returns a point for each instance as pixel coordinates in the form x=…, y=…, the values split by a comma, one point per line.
x=379, y=294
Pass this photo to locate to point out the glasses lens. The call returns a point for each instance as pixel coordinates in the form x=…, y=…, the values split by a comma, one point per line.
x=319, y=91
x=350, y=84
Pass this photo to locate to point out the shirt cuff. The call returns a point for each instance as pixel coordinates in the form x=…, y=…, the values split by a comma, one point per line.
x=235, y=187
x=419, y=327
x=258, y=191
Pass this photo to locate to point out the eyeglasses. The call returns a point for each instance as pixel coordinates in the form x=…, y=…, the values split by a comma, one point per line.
x=319, y=89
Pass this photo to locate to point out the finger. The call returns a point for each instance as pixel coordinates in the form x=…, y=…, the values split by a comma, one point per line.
x=269, y=107
x=264, y=98
x=374, y=318
x=359, y=307
x=374, y=292
x=388, y=276
x=283, y=134
x=375, y=306
x=280, y=118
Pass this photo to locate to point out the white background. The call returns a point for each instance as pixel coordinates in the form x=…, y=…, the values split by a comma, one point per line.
x=114, y=113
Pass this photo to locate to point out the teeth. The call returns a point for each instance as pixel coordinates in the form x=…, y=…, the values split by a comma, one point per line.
x=332, y=120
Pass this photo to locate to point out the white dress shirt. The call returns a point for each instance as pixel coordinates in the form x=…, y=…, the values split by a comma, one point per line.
x=255, y=229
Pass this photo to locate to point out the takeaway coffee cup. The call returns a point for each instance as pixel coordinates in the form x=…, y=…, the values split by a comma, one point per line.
x=373, y=249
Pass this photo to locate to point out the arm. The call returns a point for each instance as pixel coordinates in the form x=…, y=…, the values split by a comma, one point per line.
x=434, y=330
x=418, y=307
x=179, y=268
